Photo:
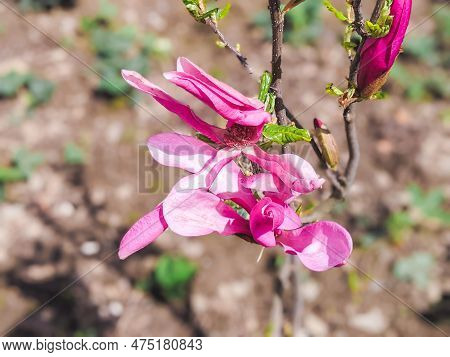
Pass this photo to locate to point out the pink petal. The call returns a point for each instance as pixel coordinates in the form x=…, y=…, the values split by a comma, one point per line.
x=295, y=172
x=205, y=178
x=176, y=150
x=379, y=54
x=183, y=111
x=143, y=232
x=265, y=218
x=225, y=100
x=198, y=212
x=291, y=220
x=261, y=182
x=320, y=246
x=227, y=180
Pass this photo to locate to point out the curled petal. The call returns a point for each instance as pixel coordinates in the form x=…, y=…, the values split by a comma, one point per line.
x=296, y=173
x=183, y=111
x=197, y=212
x=320, y=246
x=183, y=151
x=143, y=232
x=223, y=99
x=265, y=217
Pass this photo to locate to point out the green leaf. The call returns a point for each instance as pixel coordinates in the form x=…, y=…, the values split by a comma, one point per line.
x=269, y=104
x=73, y=154
x=376, y=30
x=416, y=269
x=222, y=13
x=265, y=82
x=173, y=275
x=285, y=134
x=211, y=14
x=339, y=14
x=26, y=161
x=333, y=90
x=11, y=83
x=41, y=91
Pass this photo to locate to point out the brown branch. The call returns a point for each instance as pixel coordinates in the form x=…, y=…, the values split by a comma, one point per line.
x=377, y=10
x=277, y=48
x=358, y=24
x=353, y=146
x=242, y=59
x=350, y=127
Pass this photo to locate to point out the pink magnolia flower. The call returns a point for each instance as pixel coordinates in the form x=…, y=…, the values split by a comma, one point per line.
x=246, y=118
x=319, y=246
x=196, y=204
x=379, y=54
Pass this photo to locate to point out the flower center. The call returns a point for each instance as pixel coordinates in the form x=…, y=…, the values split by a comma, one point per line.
x=239, y=135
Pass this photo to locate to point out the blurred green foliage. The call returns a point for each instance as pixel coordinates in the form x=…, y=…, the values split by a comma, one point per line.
x=415, y=268
x=173, y=275
x=170, y=279
x=39, y=91
x=424, y=207
x=23, y=164
x=119, y=47
x=73, y=154
x=302, y=24
x=38, y=5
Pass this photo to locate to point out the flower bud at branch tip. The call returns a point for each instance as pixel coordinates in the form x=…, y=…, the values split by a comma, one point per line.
x=378, y=55
x=327, y=144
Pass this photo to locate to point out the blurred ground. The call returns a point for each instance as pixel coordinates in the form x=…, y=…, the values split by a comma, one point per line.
x=60, y=227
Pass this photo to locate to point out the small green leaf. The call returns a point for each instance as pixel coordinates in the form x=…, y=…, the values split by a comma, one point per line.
x=285, y=134
x=269, y=104
x=222, y=13
x=333, y=90
x=265, y=82
x=339, y=14
x=376, y=30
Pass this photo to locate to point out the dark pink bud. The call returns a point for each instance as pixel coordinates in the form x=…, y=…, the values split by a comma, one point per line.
x=379, y=54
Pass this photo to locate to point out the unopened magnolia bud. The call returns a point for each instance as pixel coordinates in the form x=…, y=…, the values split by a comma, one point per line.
x=379, y=54
x=327, y=144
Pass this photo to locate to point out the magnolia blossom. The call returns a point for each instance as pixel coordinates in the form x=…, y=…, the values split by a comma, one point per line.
x=379, y=54
x=270, y=220
x=198, y=204
x=245, y=121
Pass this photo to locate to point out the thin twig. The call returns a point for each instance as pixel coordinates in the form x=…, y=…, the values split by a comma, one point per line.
x=242, y=59
x=350, y=128
x=377, y=10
